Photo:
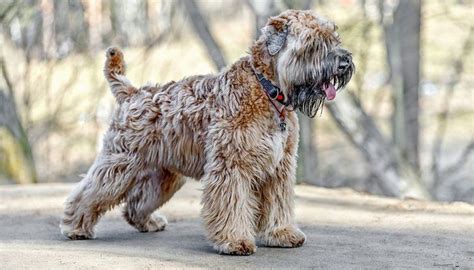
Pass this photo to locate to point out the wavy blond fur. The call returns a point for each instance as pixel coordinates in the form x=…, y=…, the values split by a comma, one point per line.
x=219, y=129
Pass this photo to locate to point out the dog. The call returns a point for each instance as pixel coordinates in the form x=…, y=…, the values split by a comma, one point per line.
x=236, y=131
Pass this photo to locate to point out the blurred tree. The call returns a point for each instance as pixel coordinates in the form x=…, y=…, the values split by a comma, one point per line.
x=70, y=27
x=394, y=173
x=48, y=31
x=93, y=14
x=393, y=178
x=401, y=26
x=443, y=176
x=16, y=156
x=263, y=9
x=202, y=29
x=45, y=30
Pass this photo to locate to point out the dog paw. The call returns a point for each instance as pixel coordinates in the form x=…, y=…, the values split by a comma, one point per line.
x=76, y=234
x=287, y=236
x=155, y=223
x=238, y=247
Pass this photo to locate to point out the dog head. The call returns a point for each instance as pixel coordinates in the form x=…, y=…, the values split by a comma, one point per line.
x=302, y=53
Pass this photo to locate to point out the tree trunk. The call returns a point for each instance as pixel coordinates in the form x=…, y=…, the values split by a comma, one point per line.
x=71, y=29
x=308, y=157
x=16, y=155
x=49, y=37
x=402, y=39
x=93, y=15
x=202, y=29
x=263, y=9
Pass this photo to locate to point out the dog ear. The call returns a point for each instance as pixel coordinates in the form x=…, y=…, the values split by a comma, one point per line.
x=276, y=34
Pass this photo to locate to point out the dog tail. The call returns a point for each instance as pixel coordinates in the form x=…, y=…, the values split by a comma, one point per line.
x=114, y=71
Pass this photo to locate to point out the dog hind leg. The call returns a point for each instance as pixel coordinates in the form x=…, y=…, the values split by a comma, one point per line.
x=149, y=193
x=104, y=186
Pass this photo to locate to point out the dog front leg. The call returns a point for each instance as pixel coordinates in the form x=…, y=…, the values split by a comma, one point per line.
x=229, y=212
x=276, y=224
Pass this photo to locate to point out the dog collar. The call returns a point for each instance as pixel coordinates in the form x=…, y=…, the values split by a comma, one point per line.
x=272, y=90
x=274, y=93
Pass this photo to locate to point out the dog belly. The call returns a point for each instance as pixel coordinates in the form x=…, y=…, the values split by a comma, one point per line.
x=190, y=167
x=183, y=154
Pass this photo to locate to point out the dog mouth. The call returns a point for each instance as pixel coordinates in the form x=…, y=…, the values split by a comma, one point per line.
x=310, y=97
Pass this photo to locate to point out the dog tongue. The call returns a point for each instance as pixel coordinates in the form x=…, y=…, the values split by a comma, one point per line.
x=330, y=91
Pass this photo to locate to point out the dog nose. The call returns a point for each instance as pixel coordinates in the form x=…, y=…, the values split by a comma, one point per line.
x=343, y=65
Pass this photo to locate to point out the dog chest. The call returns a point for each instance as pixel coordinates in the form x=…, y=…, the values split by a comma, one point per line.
x=278, y=141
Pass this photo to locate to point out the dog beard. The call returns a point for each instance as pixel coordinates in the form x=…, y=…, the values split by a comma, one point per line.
x=309, y=98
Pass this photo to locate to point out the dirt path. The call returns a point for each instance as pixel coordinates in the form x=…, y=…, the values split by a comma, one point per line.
x=345, y=230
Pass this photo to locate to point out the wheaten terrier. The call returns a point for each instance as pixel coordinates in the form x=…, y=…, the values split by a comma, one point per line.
x=236, y=131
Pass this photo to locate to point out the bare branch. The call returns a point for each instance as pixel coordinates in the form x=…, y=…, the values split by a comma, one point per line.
x=6, y=10
x=394, y=178
x=6, y=77
x=200, y=26
x=444, y=115
x=461, y=161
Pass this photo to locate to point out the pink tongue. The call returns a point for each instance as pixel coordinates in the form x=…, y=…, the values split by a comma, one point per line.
x=330, y=91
